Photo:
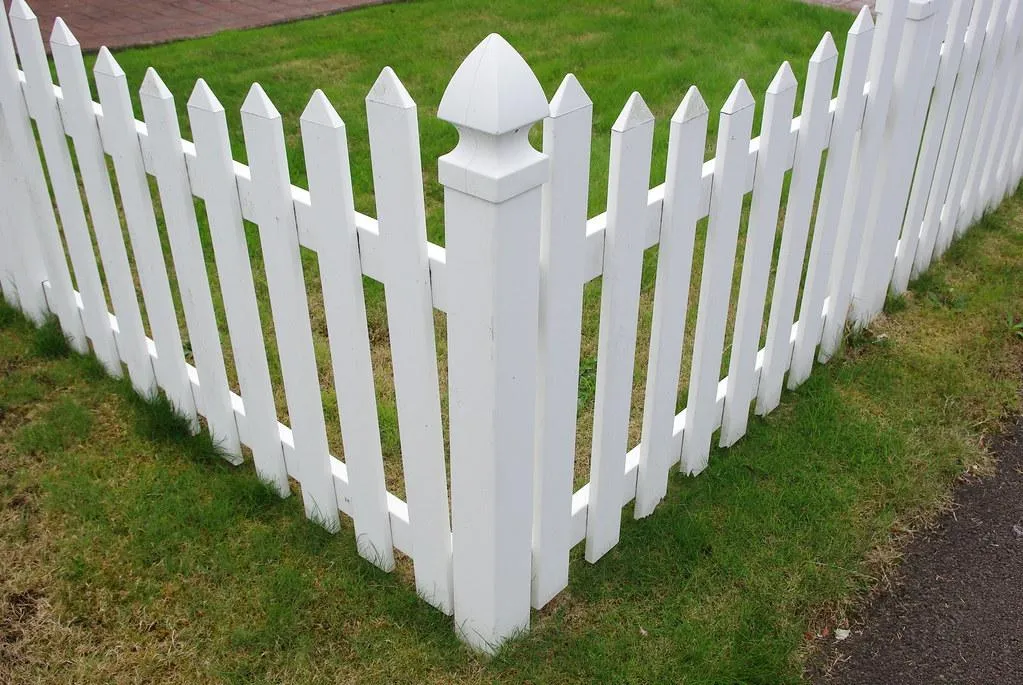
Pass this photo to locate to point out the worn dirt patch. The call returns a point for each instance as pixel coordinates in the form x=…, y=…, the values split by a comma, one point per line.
x=953, y=613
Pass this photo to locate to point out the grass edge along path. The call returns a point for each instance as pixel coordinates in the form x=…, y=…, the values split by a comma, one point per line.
x=129, y=552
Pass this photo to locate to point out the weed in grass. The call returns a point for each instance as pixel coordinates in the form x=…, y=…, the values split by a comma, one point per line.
x=1014, y=326
x=49, y=340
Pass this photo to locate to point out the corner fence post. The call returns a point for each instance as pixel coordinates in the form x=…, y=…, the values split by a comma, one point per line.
x=492, y=201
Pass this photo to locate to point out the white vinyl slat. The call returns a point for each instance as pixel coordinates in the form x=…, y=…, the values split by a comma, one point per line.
x=393, y=125
x=231, y=252
x=973, y=127
x=658, y=450
x=914, y=79
x=716, y=280
x=779, y=103
x=37, y=212
x=333, y=214
x=951, y=136
x=853, y=236
x=278, y=235
x=992, y=129
x=42, y=105
x=118, y=133
x=798, y=213
x=948, y=67
x=82, y=127
x=214, y=400
x=567, y=136
x=628, y=181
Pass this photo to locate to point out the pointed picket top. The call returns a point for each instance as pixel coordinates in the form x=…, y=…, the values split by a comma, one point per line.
x=783, y=81
x=154, y=87
x=320, y=112
x=21, y=10
x=61, y=34
x=864, y=22
x=389, y=90
x=493, y=91
x=825, y=51
x=569, y=97
x=692, y=107
x=740, y=99
x=635, y=113
x=203, y=98
x=258, y=104
x=106, y=64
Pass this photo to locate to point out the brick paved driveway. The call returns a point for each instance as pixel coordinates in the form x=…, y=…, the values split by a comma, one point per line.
x=117, y=23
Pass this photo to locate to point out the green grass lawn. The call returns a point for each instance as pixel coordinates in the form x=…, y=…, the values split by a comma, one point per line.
x=131, y=553
x=657, y=48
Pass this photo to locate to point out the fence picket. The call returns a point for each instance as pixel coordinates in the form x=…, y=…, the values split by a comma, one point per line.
x=401, y=217
x=628, y=182
x=214, y=399
x=120, y=135
x=948, y=67
x=82, y=127
x=716, y=280
x=22, y=271
x=566, y=141
x=859, y=191
x=951, y=136
x=38, y=208
x=278, y=235
x=333, y=212
x=42, y=104
x=994, y=121
x=914, y=78
x=972, y=127
x=1002, y=180
x=215, y=167
x=798, y=213
x=769, y=177
x=658, y=449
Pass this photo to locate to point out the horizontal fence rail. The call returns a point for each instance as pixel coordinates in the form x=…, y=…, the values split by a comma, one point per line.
x=924, y=135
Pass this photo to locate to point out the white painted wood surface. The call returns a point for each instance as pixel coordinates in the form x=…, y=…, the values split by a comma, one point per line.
x=658, y=449
x=716, y=280
x=758, y=255
x=566, y=142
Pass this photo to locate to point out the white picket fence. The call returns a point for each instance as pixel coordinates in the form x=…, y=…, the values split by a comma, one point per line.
x=924, y=136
